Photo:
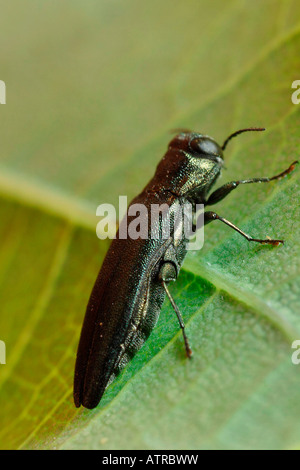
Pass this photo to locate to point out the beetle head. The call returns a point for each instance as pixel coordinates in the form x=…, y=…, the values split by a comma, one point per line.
x=192, y=163
x=199, y=146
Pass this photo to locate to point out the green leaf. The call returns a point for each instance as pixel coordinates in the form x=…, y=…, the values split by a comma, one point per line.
x=92, y=90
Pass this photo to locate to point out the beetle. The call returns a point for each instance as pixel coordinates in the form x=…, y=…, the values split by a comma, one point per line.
x=131, y=286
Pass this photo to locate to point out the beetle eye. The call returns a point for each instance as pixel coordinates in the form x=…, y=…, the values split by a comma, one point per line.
x=205, y=146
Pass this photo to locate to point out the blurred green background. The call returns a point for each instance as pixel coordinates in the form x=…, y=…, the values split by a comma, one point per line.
x=93, y=88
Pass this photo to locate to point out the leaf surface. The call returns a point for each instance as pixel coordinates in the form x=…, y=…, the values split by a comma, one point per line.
x=92, y=90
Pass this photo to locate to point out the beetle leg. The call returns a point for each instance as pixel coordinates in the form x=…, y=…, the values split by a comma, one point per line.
x=224, y=190
x=168, y=273
x=181, y=323
x=210, y=216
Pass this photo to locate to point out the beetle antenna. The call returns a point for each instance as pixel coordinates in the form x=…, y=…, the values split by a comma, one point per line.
x=240, y=132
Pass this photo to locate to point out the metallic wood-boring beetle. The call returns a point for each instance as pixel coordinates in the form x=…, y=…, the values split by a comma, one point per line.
x=132, y=284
